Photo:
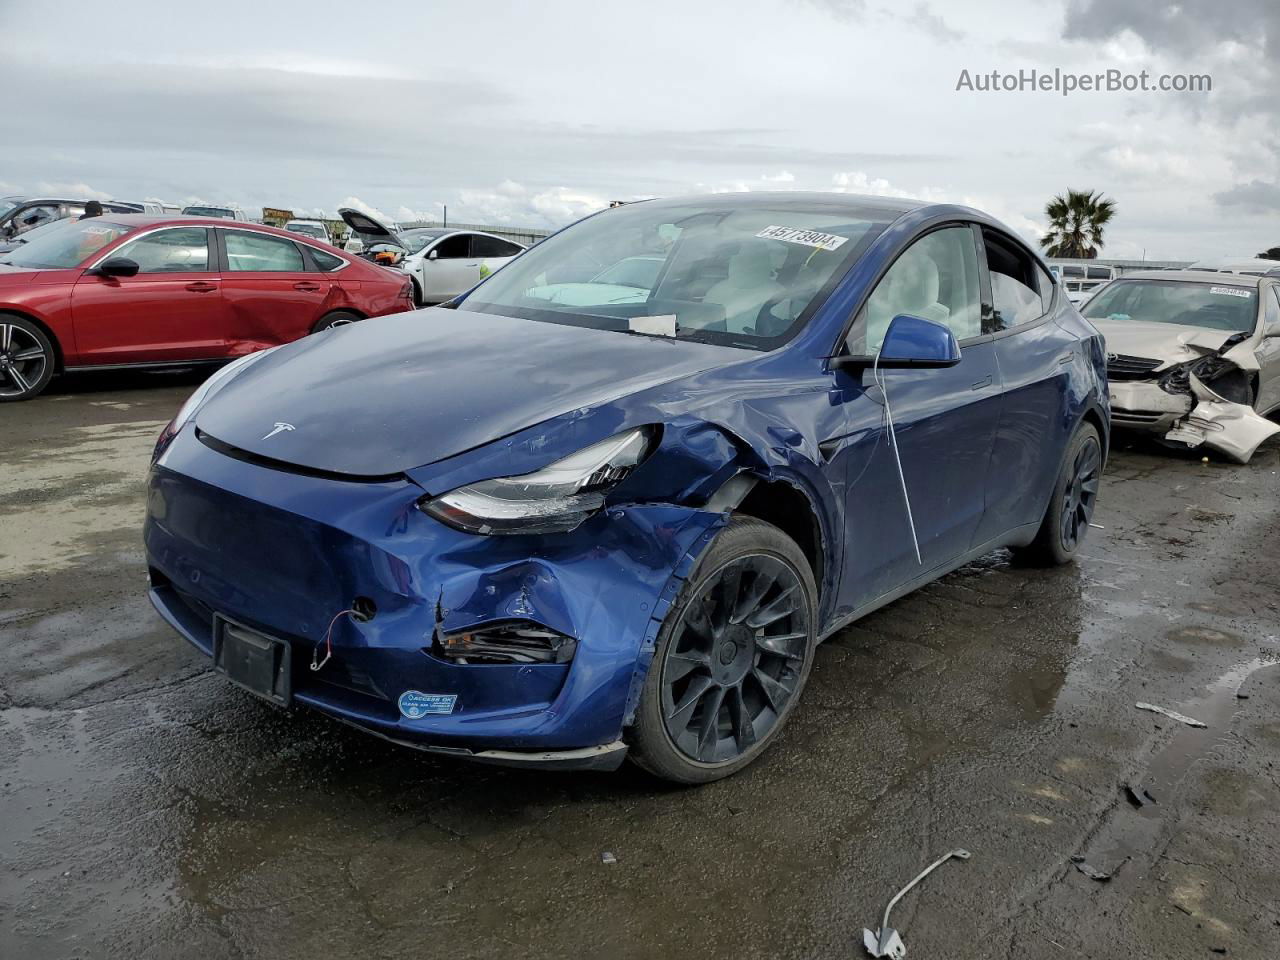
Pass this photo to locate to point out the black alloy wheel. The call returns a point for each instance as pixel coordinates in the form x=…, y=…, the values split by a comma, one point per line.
x=1081, y=493
x=26, y=359
x=1070, y=509
x=732, y=659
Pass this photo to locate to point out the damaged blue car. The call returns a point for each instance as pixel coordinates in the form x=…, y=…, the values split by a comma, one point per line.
x=607, y=503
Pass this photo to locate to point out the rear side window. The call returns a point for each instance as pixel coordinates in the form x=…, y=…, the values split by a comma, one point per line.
x=261, y=253
x=1015, y=289
x=492, y=247
x=182, y=250
x=457, y=247
x=326, y=261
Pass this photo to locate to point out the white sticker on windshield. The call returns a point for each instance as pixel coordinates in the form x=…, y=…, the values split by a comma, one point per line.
x=810, y=238
x=661, y=326
x=1231, y=292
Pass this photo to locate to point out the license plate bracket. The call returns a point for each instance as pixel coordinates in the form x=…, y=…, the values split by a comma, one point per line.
x=261, y=664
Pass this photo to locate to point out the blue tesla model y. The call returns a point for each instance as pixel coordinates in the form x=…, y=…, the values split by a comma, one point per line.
x=607, y=503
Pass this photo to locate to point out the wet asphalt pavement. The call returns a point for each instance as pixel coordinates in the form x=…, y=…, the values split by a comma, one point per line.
x=149, y=809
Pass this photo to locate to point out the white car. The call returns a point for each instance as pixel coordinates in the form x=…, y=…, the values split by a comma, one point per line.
x=306, y=227
x=443, y=262
x=1081, y=281
x=1248, y=266
x=1193, y=356
x=225, y=213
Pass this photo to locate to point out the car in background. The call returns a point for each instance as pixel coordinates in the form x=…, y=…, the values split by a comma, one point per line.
x=136, y=290
x=1081, y=281
x=442, y=262
x=559, y=535
x=21, y=214
x=157, y=207
x=1248, y=266
x=1194, y=356
x=221, y=213
x=307, y=227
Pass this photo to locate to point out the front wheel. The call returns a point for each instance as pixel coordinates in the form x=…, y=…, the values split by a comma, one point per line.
x=26, y=359
x=731, y=658
x=1066, y=521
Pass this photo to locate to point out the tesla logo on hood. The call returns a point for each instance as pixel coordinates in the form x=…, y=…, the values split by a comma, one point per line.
x=279, y=428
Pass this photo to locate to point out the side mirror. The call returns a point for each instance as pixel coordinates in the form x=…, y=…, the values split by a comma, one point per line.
x=117, y=267
x=909, y=342
x=432, y=255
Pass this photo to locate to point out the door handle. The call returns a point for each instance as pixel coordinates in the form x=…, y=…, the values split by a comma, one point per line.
x=1066, y=358
x=306, y=286
x=984, y=382
x=202, y=286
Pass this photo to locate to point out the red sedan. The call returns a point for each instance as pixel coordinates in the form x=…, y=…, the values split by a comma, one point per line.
x=137, y=290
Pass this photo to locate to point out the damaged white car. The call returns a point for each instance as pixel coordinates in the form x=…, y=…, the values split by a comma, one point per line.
x=1193, y=356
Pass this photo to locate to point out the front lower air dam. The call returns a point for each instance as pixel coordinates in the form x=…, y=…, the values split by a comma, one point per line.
x=500, y=648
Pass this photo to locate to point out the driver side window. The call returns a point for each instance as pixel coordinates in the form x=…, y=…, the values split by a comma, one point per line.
x=935, y=278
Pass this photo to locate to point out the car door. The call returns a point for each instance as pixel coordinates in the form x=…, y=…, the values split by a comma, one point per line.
x=944, y=421
x=171, y=310
x=493, y=252
x=271, y=293
x=1036, y=357
x=449, y=268
x=1268, y=352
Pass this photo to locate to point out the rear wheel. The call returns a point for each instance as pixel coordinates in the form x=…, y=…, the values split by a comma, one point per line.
x=26, y=358
x=1075, y=493
x=339, y=318
x=732, y=657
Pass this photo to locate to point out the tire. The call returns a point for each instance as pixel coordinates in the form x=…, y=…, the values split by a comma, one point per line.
x=1075, y=493
x=710, y=656
x=27, y=359
x=418, y=302
x=339, y=318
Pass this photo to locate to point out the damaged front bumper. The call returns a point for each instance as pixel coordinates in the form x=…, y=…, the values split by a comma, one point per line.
x=283, y=553
x=1182, y=408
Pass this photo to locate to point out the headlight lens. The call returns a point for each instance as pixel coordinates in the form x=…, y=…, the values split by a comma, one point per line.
x=552, y=500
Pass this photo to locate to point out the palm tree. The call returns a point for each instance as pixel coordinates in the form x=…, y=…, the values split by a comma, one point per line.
x=1075, y=224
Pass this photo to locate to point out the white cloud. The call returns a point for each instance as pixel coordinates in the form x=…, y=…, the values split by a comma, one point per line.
x=513, y=203
x=75, y=191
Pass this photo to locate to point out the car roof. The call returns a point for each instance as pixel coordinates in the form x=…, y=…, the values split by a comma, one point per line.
x=851, y=202
x=1194, y=276
x=178, y=220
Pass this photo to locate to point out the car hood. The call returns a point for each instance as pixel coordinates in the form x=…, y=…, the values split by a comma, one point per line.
x=364, y=225
x=1167, y=342
x=386, y=395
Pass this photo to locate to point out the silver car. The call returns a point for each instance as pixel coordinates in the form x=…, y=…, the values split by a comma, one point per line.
x=1193, y=356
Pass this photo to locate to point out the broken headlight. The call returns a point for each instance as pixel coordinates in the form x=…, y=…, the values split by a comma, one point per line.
x=1215, y=372
x=552, y=500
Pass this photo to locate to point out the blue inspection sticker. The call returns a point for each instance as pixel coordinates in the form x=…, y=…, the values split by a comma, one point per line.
x=415, y=705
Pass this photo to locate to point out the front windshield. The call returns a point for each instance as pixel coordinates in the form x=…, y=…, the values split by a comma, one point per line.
x=1214, y=306
x=740, y=272
x=415, y=240
x=67, y=244
x=222, y=212
x=8, y=204
x=308, y=229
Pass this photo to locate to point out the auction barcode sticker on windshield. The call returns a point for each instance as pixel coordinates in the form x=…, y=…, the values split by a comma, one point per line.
x=1231, y=292
x=810, y=238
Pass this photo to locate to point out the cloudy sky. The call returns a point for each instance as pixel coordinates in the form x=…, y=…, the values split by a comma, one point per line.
x=536, y=113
